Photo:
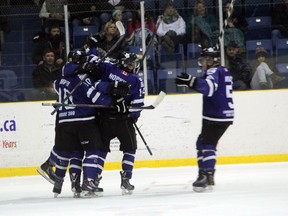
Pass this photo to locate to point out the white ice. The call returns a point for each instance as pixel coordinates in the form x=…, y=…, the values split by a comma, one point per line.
x=241, y=190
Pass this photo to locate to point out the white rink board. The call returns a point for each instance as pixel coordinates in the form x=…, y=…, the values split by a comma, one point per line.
x=260, y=127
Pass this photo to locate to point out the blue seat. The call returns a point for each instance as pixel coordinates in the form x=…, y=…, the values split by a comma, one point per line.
x=193, y=53
x=195, y=71
x=260, y=8
x=18, y=69
x=282, y=68
x=173, y=60
x=80, y=34
x=150, y=80
x=13, y=36
x=11, y=47
x=166, y=80
x=281, y=51
x=16, y=59
x=259, y=28
x=251, y=46
x=16, y=47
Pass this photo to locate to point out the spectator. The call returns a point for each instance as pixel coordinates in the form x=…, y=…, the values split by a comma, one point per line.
x=171, y=29
x=117, y=15
x=203, y=26
x=52, y=12
x=84, y=13
x=44, y=75
x=236, y=28
x=264, y=74
x=55, y=41
x=134, y=28
x=106, y=39
x=109, y=6
x=239, y=68
x=280, y=21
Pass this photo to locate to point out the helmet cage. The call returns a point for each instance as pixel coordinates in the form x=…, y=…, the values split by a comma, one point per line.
x=209, y=54
x=129, y=62
x=77, y=56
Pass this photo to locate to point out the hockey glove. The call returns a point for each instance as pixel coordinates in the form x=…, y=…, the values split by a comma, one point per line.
x=185, y=80
x=120, y=88
x=91, y=69
x=120, y=105
x=93, y=40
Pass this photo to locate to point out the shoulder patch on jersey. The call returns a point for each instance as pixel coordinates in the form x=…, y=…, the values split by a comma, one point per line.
x=124, y=73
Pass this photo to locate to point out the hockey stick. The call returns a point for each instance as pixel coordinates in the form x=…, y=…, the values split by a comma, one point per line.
x=142, y=137
x=157, y=101
x=150, y=42
x=122, y=35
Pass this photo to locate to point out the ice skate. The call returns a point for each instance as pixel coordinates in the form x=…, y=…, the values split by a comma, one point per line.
x=204, y=182
x=201, y=183
x=210, y=177
x=57, y=186
x=90, y=189
x=126, y=187
x=47, y=172
x=75, y=185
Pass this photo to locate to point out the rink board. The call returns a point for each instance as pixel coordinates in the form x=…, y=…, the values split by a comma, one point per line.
x=259, y=133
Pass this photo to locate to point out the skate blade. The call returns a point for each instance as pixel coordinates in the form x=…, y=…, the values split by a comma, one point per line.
x=89, y=194
x=76, y=195
x=44, y=175
x=126, y=192
x=209, y=188
x=56, y=195
x=199, y=189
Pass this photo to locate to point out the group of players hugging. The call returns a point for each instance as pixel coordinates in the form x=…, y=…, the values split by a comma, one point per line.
x=83, y=133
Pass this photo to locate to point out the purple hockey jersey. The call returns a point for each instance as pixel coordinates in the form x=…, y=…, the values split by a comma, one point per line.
x=216, y=87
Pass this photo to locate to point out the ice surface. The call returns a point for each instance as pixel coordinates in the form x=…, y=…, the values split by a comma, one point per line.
x=241, y=190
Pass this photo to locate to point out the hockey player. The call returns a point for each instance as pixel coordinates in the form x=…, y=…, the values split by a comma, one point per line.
x=218, y=112
x=120, y=123
x=76, y=129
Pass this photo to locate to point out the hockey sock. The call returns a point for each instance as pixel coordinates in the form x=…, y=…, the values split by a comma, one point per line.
x=209, y=157
x=62, y=164
x=199, y=147
x=101, y=157
x=89, y=164
x=200, y=159
x=128, y=163
x=76, y=163
x=53, y=157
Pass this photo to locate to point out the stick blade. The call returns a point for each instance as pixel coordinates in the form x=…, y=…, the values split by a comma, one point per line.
x=120, y=27
x=159, y=99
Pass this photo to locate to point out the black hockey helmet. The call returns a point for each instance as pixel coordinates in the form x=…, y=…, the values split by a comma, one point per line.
x=77, y=56
x=129, y=62
x=211, y=53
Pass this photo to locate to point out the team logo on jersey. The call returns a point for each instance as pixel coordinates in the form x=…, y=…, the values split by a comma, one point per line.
x=124, y=73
